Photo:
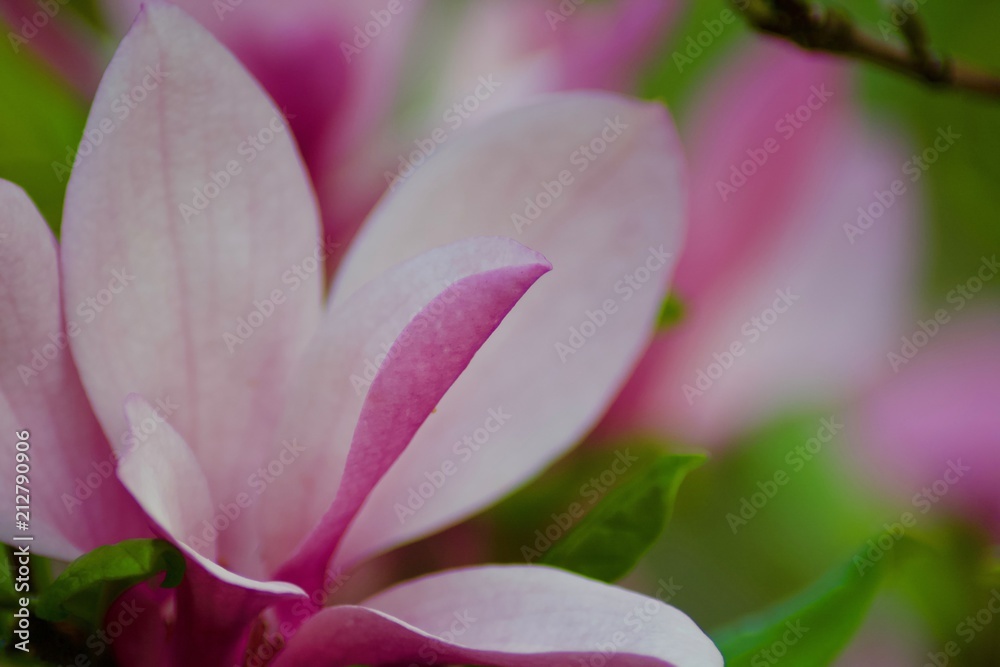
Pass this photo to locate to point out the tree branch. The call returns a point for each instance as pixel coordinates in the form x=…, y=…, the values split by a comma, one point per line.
x=818, y=29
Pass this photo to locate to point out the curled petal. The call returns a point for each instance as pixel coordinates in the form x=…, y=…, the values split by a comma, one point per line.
x=214, y=605
x=378, y=368
x=576, y=177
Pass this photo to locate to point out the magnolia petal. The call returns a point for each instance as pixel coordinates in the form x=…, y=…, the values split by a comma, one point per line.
x=616, y=216
x=205, y=302
x=145, y=613
x=806, y=324
x=77, y=504
x=163, y=475
x=216, y=610
x=335, y=83
x=742, y=199
x=606, y=44
x=214, y=605
x=777, y=191
x=510, y=616
x=376, y=371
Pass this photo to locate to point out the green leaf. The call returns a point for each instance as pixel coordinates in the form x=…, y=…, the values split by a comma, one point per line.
x=41, y=121
x=671, y=312
x=7, y=593
x=811, y=628
x=91, y=583
x=608, y=541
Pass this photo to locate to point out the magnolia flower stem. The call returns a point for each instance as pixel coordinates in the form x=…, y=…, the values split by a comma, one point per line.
x=820, y=29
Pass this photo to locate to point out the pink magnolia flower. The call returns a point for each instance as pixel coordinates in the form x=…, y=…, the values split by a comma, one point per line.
x=273, y=433
x=334, y=68
x=335, y=82
x=791, y=292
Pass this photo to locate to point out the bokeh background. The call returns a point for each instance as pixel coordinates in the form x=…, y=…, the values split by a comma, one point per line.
x=840, y=436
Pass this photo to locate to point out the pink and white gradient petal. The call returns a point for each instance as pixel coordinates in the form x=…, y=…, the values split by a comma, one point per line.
x=507, y=616
x=184, y=279
x=77, y=504
x=624, y=205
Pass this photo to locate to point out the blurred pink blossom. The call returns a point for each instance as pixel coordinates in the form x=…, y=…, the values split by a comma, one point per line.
x=786, y=307
x=929, y=433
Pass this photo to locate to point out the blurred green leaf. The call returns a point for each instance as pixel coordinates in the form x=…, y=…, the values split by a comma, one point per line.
x=609, y=541
x=41, y=121
x=518, y=524
x=951, y=577
x=819, y=514
x=810, y=629
x=8, y=597
x=93, y=581
x=7, y=593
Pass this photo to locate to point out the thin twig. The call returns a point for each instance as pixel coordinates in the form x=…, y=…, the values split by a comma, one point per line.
x=818, y=29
